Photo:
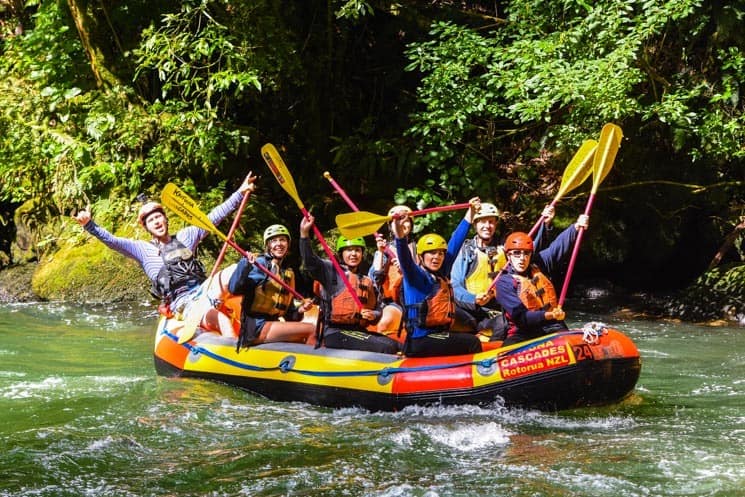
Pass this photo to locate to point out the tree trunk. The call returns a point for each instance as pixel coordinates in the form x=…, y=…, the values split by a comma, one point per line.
x=727, y=245
x=93, y=29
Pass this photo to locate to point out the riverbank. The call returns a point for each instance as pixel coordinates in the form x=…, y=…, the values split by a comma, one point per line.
x=15, y=283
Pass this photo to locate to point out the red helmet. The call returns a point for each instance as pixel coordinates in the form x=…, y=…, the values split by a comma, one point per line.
x=518, y=241
x=147, y=209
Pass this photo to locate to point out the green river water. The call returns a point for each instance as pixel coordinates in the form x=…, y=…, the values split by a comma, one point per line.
x=82, y=413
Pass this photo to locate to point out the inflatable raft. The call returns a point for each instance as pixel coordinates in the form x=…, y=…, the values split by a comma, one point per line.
x=594, y=365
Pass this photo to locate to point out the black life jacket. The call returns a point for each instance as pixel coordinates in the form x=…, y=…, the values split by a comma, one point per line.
x=181, y=271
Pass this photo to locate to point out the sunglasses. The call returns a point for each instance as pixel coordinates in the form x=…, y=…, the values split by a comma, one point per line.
x=521, y=253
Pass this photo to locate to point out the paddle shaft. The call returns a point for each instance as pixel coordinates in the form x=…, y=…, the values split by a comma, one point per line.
x=610, y=141
x=575, y=251
x=231, y=232
x=537, y=225
x=186, y=208
x=354, y=207
x=263, y=269
x=282, y=174
x=438, y=208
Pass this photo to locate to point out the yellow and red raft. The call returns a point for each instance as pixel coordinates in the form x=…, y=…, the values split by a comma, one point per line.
x=595, y=365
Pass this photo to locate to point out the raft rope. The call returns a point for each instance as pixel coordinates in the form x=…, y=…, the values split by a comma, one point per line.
x=286, y=366
x=591, y=333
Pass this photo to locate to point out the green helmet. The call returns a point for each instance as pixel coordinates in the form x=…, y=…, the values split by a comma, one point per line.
x=343, y=242
x=276, y=230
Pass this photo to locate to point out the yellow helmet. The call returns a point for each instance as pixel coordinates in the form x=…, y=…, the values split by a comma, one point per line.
x=430, y=242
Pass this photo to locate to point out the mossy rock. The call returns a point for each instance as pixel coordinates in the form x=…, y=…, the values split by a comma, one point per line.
x=15, y=283
x=89, y=273
x=717, y=294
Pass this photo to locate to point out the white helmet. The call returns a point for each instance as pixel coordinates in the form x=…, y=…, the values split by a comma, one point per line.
x=487, y=210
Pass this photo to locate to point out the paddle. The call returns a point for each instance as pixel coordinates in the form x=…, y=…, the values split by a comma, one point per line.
x=576, y=172
x=363, y=223
x=175, y=199
x=203, y=304
x=282, y=174
x=610, y=141
x=354, y=207
x=231, y=232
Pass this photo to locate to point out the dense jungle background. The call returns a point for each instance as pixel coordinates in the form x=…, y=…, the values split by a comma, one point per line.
x=417, y=102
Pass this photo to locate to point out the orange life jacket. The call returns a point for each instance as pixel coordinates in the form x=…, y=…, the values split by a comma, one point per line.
x=343, y=306
x=536, y=292
x=437, y=312
x=392, y=283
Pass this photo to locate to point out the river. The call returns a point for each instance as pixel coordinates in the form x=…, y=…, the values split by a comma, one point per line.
x=82, y=413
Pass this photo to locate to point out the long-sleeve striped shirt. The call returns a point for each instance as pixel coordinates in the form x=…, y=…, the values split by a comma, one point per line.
x=147, y=253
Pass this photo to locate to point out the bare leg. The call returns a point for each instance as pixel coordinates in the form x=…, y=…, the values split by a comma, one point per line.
x=215, y=320
x=286, y=331
x=390, y=320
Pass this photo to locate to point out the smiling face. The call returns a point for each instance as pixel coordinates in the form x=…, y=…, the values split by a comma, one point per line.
x=278, y=246
x=433, y=259
x=485, y=228
x=157, y=225
x=351, y=256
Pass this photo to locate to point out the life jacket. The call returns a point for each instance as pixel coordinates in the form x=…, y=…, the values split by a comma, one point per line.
x=436, y=312
x=181, y=271
x=536, y=292
x=341, y=309
x=394, y=278
x=483, y=266
x=391, y=287
x=270, y=298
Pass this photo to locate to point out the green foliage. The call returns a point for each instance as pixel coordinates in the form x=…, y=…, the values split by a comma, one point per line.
x=68, y=143
x=354, y=9
x=199, y=61
x=502, y=107
x=37, y=95
x=717, y=294
x=489, y=106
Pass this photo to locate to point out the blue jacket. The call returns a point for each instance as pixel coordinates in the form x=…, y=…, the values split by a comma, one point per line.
x=419, y=283
x=547, y=260
x=465, y=265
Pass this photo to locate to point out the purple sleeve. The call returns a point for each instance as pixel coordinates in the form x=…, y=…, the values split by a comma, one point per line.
x=191, y=235
x=145, y=253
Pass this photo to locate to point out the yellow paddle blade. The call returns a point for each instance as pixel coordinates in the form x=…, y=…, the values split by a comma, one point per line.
x=610, y=141
x=182, y=204
x=359, y=223
x=280, y=171
x=578, y=169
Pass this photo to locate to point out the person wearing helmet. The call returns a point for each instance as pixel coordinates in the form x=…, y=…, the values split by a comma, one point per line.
x=428, y=294
x=386, y=275
x=344, y=325
x=264, y=300
x=525, y=293
x=168, y=260
x=474, y=270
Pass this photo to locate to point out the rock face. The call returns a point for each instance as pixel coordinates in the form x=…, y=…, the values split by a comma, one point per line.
x=15, y=283
x=717, y=294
